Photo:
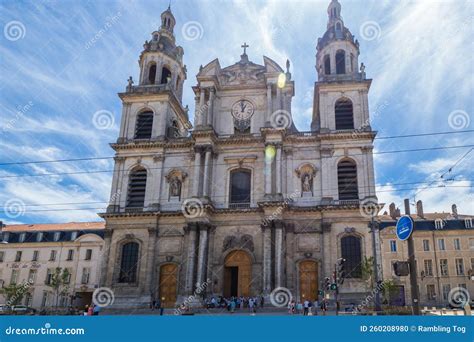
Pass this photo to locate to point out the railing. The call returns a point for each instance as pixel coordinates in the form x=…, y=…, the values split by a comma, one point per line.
x=239, y=205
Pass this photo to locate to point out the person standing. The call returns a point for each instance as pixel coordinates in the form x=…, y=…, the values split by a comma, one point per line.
x=96, y=310
x=90, y=310
x=316, y=304
x=305, y=307
x=262, y=301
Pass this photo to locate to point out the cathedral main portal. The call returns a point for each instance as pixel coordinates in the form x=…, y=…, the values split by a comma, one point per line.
x=237, y=274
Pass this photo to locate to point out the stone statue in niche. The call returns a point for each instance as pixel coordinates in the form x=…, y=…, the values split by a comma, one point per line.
x=229, y=242
x=306, y=183
x=246, y=241
x=306, y=173
x=175, y=187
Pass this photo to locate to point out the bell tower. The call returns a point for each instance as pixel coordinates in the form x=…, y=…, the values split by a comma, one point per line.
x=153, y=108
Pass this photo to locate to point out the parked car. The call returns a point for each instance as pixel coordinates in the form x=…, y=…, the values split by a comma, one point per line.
x=4, y=309
x=23, y=310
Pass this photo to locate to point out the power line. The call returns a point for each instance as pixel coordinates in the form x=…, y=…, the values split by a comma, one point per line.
x=421, y=134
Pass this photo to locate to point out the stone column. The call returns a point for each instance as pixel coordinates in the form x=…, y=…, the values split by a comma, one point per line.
x=201, y=268
x=278, y=169
x=278, y=98
x=197, y=172
x=150, y=261
x=278, y=253
x=105, y=259
x=268, y=174
x=207, y=172
x=191, y=256
x=267, y=258
x=269, y=102
x=326, y=249
x=210, y=109
x=202, y=114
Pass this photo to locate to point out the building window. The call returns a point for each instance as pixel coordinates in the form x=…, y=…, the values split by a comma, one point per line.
x=39, y=237
x=344, y=114
x=35, y=256
x=18, y=256
x=152, y=74
x=459, y=266
x=393, y=245
x=32, y=276
x=430, y=292
x=128, y=264
x=22, y=237
x=351, y=251
x=73, y=236
x=136, y=188
x=471, y=243
x=468, y=222
x=446, y=290
x=85, y=275
x=472, y=264
x=165, y=75
x=44, y=300
x=457, y=244
x=441, y=245
x=88, y=254
x=426, y=245
x=340, y=62
x=14, y=278
x=70, y=254
x=439, y=224
x=240, y=183
x=49, y=276
x=327, y=65
x=347, y=180
x=462, y=286
x=67, y=280
x=428, y=267
x=52, y=255
x=2, y=256
x=28, y=299
x=144, y=125
x=443, y=266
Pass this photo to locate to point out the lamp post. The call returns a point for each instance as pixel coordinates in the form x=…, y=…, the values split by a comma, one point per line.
x=373, y=227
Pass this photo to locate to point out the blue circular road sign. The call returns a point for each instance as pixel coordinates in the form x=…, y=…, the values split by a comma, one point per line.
x=405, y=226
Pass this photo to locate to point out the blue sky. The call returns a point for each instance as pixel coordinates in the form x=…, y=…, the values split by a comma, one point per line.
x=63, y=61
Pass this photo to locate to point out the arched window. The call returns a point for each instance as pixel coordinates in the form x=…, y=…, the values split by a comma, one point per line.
x=347, y=180
x=240, y=182
x=152, y=74
x=129, y=263
x=344, y=114
x=144, y=125
x=340, y=62
x=165, y=74
x=136, y=188
x=327, y=65
x=351, y=251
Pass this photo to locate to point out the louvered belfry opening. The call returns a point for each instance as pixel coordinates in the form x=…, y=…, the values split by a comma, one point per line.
x=347, y=180
x=136, y=188
x=344, y=114
x=152, y=74
x=144, y=125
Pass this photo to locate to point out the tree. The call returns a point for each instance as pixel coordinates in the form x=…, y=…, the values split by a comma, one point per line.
x=368, y=271
x=59, y=283
x=14, y=293
x=390, y=289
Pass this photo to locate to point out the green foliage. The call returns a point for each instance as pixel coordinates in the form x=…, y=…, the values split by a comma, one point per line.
x=14, y=293
x=59, y=283
x=368, y=271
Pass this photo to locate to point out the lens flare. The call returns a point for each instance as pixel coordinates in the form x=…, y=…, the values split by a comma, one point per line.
x=270, y=152
x=281, y=80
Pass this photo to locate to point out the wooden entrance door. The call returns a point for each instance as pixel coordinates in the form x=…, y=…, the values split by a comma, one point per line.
x=168, y=285
x=308, y=271
x=241, y=260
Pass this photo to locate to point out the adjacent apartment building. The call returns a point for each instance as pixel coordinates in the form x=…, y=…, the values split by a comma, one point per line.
x=30, y=253
x=444, y=253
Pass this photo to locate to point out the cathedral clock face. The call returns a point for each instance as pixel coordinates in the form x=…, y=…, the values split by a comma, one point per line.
x=242, y=110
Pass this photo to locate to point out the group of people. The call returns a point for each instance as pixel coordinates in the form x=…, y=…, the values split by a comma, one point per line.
x=156, y=305
x=236, y=303
x=91, y=310
x=307, y=307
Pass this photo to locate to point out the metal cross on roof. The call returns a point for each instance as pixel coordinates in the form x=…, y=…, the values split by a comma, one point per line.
x=245, y=46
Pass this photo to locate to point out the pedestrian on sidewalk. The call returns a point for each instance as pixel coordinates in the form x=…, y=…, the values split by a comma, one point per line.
x=305, y=307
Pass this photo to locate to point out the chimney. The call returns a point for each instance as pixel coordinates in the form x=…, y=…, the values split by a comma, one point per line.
x=397, y=212
x=454, y=210
x=419, y=208
x=392, y=210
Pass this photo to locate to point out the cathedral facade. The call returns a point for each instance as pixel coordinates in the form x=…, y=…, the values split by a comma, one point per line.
x=239, y=203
